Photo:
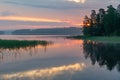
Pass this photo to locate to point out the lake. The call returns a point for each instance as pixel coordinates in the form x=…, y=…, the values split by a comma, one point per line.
x=64, y=59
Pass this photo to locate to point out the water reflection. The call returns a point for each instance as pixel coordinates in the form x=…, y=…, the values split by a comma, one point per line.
x=15, y=48
x=63, y=60
x=104, y=54
x=45, y=74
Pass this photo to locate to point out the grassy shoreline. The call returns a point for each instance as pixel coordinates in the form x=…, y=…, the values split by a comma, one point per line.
x=111, y=39
x=21, y=43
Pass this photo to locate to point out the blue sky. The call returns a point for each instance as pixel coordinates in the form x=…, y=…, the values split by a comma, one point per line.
x=19, y=14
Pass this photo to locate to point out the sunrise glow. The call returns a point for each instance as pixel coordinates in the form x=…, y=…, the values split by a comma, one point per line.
x=49, y=13
x=59, y=40
x=17, y=18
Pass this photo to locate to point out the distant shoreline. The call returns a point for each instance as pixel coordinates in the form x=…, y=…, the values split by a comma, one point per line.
x=53, y=31
x=106, y=39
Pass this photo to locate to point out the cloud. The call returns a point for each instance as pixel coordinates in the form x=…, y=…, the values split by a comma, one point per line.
x=19, y=18
x=12, y=25
x=116, y=2
x=52, y=4
x=30, y=23
x=7, y=13
x=78, y=1
x=65, y=10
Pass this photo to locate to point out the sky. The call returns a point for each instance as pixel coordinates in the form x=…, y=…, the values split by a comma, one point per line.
x=32, y=14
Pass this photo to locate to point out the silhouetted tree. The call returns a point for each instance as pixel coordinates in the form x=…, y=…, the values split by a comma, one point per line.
x=86, y=28
x=110, y=21
x=104, y=23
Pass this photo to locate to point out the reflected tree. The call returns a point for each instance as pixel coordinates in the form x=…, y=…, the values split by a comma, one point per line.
x=107, y=54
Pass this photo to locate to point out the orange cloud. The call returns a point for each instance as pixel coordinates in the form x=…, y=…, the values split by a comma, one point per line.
x=32, y=19
x=18, y=18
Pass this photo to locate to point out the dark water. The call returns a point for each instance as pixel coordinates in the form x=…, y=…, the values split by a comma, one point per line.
x=65, y=59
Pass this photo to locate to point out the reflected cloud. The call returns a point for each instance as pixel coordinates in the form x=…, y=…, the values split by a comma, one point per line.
x=46, y=74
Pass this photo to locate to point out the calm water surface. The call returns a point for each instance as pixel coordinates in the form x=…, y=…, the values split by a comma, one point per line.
x=65, y=59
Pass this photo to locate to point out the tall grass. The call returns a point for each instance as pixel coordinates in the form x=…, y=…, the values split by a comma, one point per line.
x=21, y=43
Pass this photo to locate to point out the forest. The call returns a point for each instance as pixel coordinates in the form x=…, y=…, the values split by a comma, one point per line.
x=103, y=23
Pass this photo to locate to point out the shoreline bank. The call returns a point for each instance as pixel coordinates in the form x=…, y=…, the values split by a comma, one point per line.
x=111, y=39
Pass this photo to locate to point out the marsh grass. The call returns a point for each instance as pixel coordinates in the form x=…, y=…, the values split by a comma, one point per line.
x=21, y=43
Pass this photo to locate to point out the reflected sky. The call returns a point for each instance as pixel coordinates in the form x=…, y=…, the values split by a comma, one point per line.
x=38, y=51
x=17, y=14
x=48, y=73
x=65, y=59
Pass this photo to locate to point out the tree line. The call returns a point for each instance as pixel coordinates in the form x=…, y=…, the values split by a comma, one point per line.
x=103, y=23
